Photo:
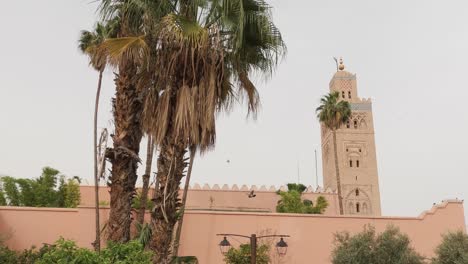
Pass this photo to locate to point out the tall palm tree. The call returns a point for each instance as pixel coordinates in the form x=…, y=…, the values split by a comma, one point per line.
x=333, y=112
x=130, y=84
x=146, y=178
x=180, y=222
x=193, y=59
x=89, y=43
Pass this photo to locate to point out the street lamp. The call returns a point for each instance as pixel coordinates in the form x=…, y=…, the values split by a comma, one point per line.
x=224, y=246
x=281, y=246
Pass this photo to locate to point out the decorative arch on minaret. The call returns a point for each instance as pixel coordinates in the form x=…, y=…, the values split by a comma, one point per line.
x=357, y=201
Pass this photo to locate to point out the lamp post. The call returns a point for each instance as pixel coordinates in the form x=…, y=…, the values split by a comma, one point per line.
x=281, y=246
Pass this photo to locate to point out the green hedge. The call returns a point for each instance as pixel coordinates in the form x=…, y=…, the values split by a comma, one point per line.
x=67, y=252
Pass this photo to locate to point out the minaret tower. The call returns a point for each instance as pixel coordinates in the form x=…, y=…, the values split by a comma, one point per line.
x=356, y=151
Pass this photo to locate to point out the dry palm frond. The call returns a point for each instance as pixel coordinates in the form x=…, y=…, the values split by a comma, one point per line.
x=132, y=49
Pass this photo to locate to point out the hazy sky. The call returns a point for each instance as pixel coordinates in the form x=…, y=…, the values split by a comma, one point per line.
x=411, y=58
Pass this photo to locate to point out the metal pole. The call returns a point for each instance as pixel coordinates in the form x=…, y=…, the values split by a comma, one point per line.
x=316, y=173
x=253, y=249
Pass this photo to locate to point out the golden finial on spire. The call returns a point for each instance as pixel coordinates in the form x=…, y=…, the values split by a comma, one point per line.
x=341, y=67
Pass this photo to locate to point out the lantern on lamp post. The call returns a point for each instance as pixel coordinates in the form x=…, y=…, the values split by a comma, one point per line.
x=281, y=247
x=224, y=246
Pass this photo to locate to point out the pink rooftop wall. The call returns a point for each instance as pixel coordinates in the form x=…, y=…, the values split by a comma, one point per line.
x=311, y=235
x=227, y=198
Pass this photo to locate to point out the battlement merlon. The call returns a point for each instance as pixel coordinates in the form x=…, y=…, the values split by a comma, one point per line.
x=364, y=105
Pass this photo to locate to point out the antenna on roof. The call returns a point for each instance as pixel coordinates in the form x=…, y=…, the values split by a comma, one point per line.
x=298, y=174
x=316, y=173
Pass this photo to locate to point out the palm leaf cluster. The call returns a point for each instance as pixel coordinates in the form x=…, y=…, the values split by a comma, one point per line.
x=195, y=58
x=333, y=112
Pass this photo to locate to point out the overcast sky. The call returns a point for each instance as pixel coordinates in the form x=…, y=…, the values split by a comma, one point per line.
x=410, y=57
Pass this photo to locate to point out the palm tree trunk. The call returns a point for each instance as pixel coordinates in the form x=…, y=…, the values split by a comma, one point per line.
x=146, y=178
x=171, y=166
x=184, y=199
x=127, y=106
x=97, y=241
x=337, y=169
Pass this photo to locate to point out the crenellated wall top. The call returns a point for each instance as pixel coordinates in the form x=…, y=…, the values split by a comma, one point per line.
x=439, y=206
x=255, y=188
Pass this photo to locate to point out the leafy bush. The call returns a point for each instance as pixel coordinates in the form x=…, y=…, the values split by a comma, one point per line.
x=185, y=260
x=389, y=247
x=136, y=202
x=126, y=253
x=291, y=202
x=7, y=256
x=49, y=190
x=242, y=255
x=27, y=256
x=453, y=249
x=66, y=251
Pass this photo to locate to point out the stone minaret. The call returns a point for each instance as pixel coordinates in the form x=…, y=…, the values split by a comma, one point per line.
x=356, y=151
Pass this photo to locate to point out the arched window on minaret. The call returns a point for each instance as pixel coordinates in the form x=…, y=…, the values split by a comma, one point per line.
x=363, y=124
x=358, y=209
x=357, y=163
x=351, y=163
x=357, y=192
x=349, y=94
x=355, y=124
x=364, y=208
x=342, y=94
x=350, y=208
x=347, y=124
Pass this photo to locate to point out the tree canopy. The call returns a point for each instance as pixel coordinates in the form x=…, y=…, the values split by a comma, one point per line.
x=332, y=111
x=291, y=201
x=388, y=247
x=51, y=189
x=453, y=249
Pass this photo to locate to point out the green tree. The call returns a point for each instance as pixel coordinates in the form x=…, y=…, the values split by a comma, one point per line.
x=72, y=194
x=291, y=201
x=45, y=189
x=453, y=249
x=192, y=59
x=49, y=190
x=11, y=191
x=3, y=200
x=242, y=255
x=332, y=113
x=90, y=44
x=389, y=247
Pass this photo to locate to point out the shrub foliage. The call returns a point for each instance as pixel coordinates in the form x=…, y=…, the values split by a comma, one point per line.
x=291, y=201
x=389, y=247
x=453, y=249
x=51, y=189
x=66, y=251
x=241, y=255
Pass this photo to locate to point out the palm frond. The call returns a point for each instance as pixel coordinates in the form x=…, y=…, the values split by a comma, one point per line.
x=132, y=49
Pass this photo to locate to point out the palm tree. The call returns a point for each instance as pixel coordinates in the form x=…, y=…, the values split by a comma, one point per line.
x=184, y=201
x=89, y=43
x=146, y=178
x=193, y=59
x=333, y=113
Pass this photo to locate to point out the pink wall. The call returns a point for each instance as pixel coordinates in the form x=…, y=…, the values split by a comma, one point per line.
x=311, y=235
x=227, y=199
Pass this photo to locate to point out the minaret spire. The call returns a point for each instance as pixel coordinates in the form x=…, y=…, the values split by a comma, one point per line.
x=341, y=67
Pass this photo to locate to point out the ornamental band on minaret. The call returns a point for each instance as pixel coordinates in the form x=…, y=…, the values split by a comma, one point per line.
x=356, y=151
